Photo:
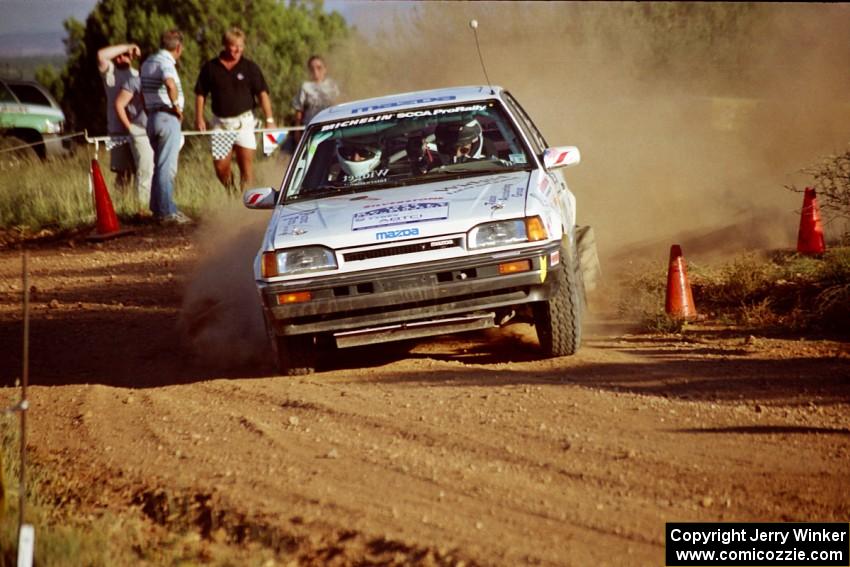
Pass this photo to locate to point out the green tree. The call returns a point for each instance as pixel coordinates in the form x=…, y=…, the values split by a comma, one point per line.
x=280, y=38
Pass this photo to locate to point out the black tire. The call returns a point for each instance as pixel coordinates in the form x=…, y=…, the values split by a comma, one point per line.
x=296, y=355
x=591, y=270
x=558, y=320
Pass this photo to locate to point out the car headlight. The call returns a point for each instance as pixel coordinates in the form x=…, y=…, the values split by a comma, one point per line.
x=502, y=233
x=52, y=127
x=298, y=260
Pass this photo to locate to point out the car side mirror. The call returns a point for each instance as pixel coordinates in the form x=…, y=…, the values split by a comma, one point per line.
x=561, y=156
x=260, y=198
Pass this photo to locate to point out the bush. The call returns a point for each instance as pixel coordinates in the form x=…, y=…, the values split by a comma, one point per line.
x=832, y=182
x=786, y=292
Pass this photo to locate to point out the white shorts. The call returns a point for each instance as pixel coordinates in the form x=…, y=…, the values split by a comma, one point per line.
x=237, y=130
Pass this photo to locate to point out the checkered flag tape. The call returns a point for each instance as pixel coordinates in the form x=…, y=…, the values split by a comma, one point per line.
x=222, y=143
x=115, y=141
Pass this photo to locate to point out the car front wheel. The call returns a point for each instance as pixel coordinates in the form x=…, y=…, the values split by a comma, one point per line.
x=558, y=320
x=296, y=355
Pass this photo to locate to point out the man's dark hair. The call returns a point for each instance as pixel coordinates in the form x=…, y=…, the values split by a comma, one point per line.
x=171, y=39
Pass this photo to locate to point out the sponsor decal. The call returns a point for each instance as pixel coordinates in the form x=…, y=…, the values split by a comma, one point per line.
x=292, y=223
x=441, y=111
x=376, y=175
x=472, y=184
x=357, y=122
x=401, y=213
x=393, y=203
x=389, y=234
x=403, y=114
x=554, y=158
x=392, y=104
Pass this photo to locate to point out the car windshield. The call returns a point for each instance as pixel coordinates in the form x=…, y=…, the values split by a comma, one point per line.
x=29, y=94
x=399, y=148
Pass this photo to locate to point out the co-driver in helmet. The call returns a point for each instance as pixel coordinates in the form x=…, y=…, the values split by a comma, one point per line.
x=457, y=142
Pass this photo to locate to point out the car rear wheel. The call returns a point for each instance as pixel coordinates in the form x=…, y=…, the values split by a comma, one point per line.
x=558, y=320
x=296, y=355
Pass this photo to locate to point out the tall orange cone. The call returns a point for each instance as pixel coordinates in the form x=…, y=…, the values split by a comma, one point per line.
x=680, y=301
x=107, y=220
x=810, y=236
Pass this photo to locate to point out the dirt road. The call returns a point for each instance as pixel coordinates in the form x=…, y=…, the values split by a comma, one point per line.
x=467, y=449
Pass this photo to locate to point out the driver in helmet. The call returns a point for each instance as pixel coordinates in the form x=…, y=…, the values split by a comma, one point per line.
x=456, y=141
x=357, y=158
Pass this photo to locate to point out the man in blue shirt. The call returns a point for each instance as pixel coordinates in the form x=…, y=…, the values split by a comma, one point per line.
x=163, y=96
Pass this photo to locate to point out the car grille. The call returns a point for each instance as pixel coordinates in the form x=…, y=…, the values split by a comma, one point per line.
x=398, y=250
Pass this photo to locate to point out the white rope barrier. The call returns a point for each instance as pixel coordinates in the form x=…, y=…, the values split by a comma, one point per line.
x=97, y=140
x=118, y=140
x=42, y=142
x=103, y=139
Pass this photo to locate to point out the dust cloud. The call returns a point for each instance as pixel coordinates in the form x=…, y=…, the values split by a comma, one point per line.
x=691, y=117
x=220, y=319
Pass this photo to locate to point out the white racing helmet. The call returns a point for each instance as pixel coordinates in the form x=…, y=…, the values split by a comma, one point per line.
x=358, y=157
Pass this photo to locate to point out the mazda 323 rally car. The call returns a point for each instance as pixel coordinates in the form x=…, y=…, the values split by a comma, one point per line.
x=414, y=215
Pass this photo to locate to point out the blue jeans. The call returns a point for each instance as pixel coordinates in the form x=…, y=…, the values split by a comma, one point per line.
x=164, y=134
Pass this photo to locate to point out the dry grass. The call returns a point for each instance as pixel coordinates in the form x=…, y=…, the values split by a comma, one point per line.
x=783, y=292
x=53, y=196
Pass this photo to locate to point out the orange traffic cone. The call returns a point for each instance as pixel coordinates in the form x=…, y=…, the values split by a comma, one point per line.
x=680, y=301
x=107, y=220
x=810, y=236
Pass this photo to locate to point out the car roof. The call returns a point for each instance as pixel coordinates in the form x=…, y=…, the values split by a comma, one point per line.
x=409, y=100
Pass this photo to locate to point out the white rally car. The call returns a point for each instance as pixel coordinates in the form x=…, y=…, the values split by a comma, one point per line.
x=414, y=215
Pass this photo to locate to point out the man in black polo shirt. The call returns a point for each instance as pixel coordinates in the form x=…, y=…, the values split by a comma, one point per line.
x=235, y=84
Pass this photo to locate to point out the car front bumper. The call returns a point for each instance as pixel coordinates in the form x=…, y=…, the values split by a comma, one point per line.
x=408, y=294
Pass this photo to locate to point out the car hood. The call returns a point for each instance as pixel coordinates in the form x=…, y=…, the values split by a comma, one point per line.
x=386, y=215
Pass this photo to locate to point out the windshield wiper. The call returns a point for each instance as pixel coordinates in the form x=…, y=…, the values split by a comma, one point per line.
x=326, y=190
x=321, y=191
x=483, y=167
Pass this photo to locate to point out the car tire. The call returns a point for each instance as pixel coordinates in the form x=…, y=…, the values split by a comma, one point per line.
x=588, y=258
x=558, y=320
x=296, y=355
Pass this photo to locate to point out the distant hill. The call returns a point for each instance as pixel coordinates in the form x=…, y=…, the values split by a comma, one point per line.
x=24, y=67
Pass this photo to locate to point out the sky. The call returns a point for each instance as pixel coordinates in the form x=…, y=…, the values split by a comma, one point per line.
x=34, y=27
